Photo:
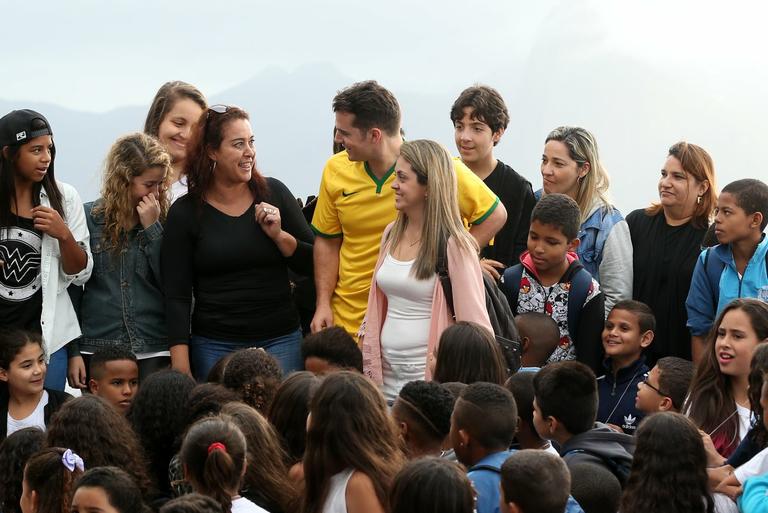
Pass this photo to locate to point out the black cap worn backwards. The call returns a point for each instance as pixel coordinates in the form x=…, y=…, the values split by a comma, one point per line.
x=16, y=127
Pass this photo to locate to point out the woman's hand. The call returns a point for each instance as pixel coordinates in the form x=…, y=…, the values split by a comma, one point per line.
x=48, y=221
x=148, y=210
x=268, y=217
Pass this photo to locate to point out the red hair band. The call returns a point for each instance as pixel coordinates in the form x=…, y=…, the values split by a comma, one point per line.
x=217, y=446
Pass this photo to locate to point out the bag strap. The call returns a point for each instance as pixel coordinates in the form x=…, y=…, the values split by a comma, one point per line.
x=581, y=284
x=713, y=272
x=445, y=279
x=512, y=278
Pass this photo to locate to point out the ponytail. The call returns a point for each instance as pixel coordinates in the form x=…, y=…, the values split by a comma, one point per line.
x=213, y=454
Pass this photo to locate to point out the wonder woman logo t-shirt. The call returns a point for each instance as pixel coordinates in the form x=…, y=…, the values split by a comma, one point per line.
x=21, y=296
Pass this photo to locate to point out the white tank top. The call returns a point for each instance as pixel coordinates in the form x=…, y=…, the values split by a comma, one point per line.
x=405, y=332
x=336, y=502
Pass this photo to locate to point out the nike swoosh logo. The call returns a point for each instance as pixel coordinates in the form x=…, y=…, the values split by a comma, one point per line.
x=345, y=194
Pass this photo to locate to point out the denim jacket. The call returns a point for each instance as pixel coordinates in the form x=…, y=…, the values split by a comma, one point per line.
x=122, y=303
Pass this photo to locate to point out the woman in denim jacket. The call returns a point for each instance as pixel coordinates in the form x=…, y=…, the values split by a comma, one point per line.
x=122, y=303
x=43, y=239
x=571, y=165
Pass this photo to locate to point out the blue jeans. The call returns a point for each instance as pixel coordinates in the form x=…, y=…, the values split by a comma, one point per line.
x=205, y=352
x=56, y=373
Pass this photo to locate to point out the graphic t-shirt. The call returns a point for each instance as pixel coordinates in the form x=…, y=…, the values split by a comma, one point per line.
x=21, y=296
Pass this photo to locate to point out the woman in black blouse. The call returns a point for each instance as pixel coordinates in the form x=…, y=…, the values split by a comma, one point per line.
x=229, y=244
x=666, y=238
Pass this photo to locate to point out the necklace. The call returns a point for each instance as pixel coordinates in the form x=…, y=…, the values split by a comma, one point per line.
x=618, y=402
x=412, y=244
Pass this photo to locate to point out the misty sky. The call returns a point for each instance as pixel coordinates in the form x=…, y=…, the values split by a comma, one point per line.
x=694, y=70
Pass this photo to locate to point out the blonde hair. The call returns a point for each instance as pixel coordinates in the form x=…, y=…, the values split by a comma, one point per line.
x=434, y=168
x=582, y=148
x=129, y=157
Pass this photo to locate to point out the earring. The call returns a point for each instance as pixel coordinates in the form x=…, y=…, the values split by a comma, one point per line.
x=213, y=167
x=698, y=200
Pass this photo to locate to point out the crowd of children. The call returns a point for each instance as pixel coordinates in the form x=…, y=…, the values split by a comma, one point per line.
x=475, y=346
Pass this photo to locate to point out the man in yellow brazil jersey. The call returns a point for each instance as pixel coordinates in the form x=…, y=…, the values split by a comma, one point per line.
x=356, y=203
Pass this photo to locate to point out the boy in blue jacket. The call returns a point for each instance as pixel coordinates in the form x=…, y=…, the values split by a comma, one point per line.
x=628, y=330
x=738, y=266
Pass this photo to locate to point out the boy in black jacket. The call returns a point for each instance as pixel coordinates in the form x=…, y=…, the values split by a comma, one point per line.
x=564, y=411
x=628, y=331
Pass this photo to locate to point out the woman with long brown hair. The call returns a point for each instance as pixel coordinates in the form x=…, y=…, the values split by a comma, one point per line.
x=229, y=242
x=719, y=399
x=353, y=451
x=666, y=240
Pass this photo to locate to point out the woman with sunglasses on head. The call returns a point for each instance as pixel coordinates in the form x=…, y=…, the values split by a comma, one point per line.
x=175, y=110
x=43, y=239
x=229, y=242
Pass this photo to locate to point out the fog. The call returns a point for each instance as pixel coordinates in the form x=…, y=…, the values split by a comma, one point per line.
x=639, y=75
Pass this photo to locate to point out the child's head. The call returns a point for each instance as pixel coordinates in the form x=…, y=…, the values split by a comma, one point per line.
x=565, y=400
x=422, y=411
x=554, y=231
x=192, y=503
x=22, y=362
x=270, y=476
x=595, y=488
x=289, y=409
x=27, y=154
x=213, y=456
x=48, y=481
x=349, y=426
x=216, y=374
x=479, y=118
x=137, y=169
x=628, y=331
x=206, y=400
x=521, y=386
x=468, y=352
x=757, y=374
x=534, y=481
x=539, y=336
x=158, y=416
x=742, y=210
x=669, y=450
x=14, y=453
x=330, y=350
x=432, y=485
x=175, y=111
x=102, y=436
x=107, y=490
x=665, y=386
x=114, y=376
x=484, y=421
x=255, y=375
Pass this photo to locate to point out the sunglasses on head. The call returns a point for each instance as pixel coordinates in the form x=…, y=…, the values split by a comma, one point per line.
x=218, y=109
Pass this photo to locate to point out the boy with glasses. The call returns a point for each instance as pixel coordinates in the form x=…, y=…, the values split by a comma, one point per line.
x=664, y=388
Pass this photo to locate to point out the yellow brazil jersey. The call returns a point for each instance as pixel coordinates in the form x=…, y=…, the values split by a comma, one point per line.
x=356, y=206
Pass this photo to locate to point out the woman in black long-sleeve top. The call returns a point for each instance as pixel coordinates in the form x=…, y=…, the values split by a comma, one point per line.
x=229, y=244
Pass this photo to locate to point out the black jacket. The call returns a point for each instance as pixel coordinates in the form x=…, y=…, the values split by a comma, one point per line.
x=55, y=400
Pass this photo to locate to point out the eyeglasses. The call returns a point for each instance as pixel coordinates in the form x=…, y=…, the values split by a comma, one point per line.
x=645, y=382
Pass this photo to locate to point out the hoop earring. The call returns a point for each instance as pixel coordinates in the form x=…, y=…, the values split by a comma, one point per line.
x=213, y=167
x=698, y=200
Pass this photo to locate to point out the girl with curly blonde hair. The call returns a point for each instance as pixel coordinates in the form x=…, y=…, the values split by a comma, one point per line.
x=122, y=303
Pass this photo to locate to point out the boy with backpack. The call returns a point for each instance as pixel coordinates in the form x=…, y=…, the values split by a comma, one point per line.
x=738, y=266
x=550, y=279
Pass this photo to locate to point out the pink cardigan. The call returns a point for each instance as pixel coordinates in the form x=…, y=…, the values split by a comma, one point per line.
x=468, y=300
